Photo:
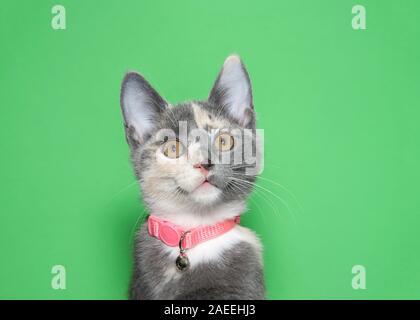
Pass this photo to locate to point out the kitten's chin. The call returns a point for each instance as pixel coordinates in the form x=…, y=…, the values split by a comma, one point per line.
x=206, y=194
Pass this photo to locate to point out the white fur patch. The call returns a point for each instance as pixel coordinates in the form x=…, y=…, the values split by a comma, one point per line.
x=189, y=217
x=214, y=249
x=209, y=251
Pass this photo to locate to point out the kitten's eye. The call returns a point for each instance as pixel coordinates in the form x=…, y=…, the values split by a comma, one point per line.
x=173, y=149
x=224, y=142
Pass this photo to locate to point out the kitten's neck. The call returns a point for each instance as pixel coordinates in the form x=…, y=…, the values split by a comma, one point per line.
x=192, y=217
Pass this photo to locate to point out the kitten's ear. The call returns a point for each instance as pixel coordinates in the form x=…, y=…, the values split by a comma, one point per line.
x=232, y=91
x=141, y=106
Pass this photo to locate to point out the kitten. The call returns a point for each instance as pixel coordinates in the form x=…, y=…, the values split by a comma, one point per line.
x=182, y=182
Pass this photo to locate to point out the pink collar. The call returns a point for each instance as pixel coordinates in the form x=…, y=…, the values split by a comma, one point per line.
x=171, y=234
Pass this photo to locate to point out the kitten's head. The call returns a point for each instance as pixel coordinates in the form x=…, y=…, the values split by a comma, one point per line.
x=197, y=155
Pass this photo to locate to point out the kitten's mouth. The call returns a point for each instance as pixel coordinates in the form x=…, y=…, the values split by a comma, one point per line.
x=206, y=192
x=206, y=184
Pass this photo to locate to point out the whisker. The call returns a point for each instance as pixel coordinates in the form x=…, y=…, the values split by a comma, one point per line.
x=266, y=190
x=142, y=216
x=285, y=189
x=265, y=198
x=260, y=212
x=122, y=190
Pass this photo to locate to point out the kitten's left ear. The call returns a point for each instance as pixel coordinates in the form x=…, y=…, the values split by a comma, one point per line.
x=232, y=92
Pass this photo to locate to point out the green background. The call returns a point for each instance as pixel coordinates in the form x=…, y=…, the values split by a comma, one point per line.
x=340, y=110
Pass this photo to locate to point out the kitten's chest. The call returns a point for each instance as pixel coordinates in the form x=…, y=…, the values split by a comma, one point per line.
x=208, y=261
x=212, y=250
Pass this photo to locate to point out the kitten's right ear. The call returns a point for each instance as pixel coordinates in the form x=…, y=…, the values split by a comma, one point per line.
x=141, y=106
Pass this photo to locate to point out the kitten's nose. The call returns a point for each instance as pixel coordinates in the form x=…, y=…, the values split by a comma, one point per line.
x=203, y=167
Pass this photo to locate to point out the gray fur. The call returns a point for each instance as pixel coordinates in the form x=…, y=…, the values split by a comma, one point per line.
x=238, y=274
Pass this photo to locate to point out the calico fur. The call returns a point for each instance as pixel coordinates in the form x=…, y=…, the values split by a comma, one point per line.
x=229, y=266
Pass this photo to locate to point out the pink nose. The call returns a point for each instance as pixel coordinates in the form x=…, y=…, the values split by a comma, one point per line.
x=203, y=170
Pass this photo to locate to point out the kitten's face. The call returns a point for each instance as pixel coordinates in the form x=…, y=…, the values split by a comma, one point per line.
x=193, y=155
